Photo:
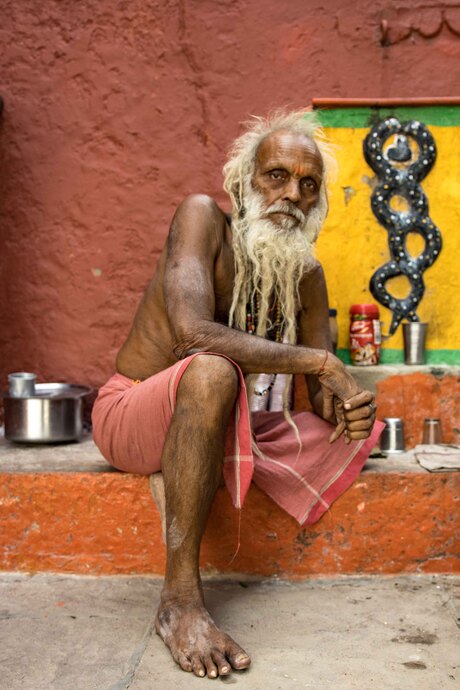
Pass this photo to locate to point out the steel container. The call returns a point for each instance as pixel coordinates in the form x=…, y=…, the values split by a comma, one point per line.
x=21, y=384
x=414, y=337
x=432, y=431
x=392, y=438
x=54, y=413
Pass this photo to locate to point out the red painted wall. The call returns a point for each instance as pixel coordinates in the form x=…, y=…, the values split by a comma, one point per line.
x=115, y=110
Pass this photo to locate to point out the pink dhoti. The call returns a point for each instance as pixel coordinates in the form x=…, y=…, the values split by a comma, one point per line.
x=131, y=420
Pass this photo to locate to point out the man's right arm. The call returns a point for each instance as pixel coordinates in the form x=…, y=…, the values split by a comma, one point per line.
x=193, y=247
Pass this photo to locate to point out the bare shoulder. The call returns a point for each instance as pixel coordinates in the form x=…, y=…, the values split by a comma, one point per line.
x=200, y=203
x=313, y=283
x=196, y=216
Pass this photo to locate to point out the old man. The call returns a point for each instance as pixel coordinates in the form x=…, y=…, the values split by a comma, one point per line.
x=232, y=297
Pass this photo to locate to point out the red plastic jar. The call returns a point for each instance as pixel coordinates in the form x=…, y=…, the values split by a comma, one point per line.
x=365, y=335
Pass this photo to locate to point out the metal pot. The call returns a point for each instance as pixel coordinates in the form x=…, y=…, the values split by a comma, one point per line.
x=54, y=413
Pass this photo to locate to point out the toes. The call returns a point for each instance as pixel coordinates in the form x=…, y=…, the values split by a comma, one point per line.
x=211, y=669
x=183, y=661
x=241, y=661
x=221, y=662
x=197, y=666
x=238, y=657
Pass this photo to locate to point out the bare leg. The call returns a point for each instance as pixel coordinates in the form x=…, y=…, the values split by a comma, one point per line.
x=192, y=466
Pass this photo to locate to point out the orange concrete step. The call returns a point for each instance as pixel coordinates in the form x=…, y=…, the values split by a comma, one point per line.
x=63, y=509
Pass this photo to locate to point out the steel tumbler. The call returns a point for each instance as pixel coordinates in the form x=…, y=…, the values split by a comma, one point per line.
x=414, y=336
x=21, y=384
x=432, y=430
x=392, y=438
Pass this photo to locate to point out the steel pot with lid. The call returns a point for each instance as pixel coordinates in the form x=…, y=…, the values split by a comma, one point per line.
x=53, y=413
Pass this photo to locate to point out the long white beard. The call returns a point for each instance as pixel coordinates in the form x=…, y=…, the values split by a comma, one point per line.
x=271, y=260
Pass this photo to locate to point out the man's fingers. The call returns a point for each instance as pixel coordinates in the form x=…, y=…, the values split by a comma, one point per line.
x=338, y=404
x=328, y=404
x=357, y=435
x=339, y=429
x=358, y=400
x=364, y=412
x=360, y=424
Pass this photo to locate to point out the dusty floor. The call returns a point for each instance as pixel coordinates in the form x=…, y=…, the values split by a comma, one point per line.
x=77, y=633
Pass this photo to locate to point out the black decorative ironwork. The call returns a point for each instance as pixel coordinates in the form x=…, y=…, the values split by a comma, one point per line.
x=400, y=169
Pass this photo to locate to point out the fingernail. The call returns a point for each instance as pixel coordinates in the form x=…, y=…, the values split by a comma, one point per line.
x=347, y=406
x=225, y=669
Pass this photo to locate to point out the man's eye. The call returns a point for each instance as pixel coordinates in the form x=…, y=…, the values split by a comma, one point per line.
x=276, y=174
x=309, y=184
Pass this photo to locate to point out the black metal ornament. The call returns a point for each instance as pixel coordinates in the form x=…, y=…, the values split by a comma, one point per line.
x=400, y=171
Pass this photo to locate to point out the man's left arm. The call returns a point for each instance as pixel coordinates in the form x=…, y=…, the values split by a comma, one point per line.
x=356, y=415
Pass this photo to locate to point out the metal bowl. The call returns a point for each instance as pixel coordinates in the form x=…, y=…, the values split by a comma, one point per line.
x=53, y=414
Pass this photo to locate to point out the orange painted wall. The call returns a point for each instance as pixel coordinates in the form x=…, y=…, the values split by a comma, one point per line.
x=107, y=524
x=415, y=397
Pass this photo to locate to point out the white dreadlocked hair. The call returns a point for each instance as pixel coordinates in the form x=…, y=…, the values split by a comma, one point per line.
x=271, y=261
x=238, y=173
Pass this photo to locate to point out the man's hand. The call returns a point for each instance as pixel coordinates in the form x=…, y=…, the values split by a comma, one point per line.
x=336, y=381
x=355, y=417
x=344, y=404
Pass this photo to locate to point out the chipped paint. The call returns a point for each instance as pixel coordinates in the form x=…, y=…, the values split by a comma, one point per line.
x=348, y=194
x=394, y=533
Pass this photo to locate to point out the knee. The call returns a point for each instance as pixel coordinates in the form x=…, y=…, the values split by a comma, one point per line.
x=211, y=377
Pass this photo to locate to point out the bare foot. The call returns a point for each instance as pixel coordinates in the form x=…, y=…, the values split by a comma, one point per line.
x=195, y=642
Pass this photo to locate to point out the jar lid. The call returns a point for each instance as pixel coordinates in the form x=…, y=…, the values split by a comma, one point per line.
x=366, y=309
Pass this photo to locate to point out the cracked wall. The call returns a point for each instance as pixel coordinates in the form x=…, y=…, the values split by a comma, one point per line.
x=114, y=111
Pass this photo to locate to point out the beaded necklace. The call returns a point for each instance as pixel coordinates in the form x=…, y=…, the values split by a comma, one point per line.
x=275, y=333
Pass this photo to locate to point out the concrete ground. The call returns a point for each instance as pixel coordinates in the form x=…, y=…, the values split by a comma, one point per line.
x=85, y=633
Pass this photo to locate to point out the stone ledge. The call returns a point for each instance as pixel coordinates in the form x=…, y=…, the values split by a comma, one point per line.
x=85, y=457
x=82, y=456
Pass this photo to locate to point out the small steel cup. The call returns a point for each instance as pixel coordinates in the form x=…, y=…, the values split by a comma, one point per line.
x=392, y=438
x=432, y=431
x=21, y=384
x=414, y=336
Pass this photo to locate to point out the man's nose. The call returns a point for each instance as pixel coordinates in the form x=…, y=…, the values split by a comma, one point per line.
x=292, y=191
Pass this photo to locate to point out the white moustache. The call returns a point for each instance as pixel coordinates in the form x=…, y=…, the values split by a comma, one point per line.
x=289, y=209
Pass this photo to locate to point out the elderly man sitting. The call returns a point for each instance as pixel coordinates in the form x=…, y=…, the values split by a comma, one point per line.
x=233, y=297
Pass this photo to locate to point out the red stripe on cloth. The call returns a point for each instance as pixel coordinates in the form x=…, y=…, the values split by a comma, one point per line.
x=348, y=476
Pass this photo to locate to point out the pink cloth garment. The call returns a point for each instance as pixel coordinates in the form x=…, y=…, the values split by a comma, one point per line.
x=130, y=423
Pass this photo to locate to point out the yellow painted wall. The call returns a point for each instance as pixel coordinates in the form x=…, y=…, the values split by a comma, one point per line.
x=352, y=245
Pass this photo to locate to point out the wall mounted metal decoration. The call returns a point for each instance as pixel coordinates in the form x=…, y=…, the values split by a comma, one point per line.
x=400, y=167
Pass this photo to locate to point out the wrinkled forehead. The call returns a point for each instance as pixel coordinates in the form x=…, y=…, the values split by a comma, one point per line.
x=289, y=149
